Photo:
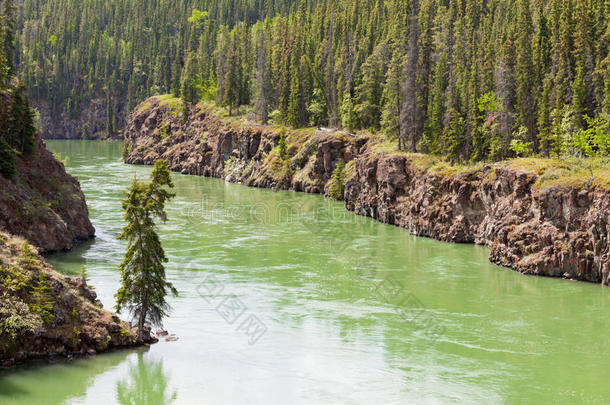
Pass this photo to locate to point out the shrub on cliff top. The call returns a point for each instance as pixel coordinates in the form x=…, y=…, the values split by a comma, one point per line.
x=13, y=279
x=16, y=318
x=25, y=300
x=282, y=147
x=594, y=141
x=43, y=302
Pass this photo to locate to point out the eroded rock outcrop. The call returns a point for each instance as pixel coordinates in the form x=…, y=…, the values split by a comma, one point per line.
x=555, y=231
x=45, y=315
x=43, y=203
x=558, y=231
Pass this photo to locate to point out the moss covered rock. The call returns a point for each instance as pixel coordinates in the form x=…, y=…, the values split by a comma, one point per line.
x=44, y=314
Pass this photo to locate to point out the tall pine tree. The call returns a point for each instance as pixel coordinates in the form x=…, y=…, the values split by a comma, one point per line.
x=144, y=285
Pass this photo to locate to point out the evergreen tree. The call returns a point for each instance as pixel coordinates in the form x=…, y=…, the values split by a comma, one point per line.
x=7, y=33
x=526, y=73
x=7, y=159
x=262, y=79
x=436, y=109
x=584, y=59
x=406, y=68
x=294, y=115
x=505, y=93
x=579, y=95
x=144, y=286
x=336, y=188
x=231, y=80
x=282, y=147
x=453, y=135
x=331, y=87
x=369, y=93
x=392, y=96
x=176, y=74
x=189, y=88
x=21, y=122
x=410, y=114
x=563, y=63
x=542, y=56
x=545, y=128
x=317, y=108
x=4, y=68
x=348, y=115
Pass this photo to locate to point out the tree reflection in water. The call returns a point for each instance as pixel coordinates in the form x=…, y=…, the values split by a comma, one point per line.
x=146, y=384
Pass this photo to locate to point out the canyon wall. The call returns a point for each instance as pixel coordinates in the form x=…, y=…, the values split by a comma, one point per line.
x=88, y=122
x=550, y=230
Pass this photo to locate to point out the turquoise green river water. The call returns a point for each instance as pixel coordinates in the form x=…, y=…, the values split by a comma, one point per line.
x=287, y=298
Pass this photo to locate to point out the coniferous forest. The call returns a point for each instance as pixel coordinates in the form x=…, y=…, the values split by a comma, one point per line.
x=17, y=119
x=471, y=80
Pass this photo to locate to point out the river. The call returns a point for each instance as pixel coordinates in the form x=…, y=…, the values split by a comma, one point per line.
x=287, y=298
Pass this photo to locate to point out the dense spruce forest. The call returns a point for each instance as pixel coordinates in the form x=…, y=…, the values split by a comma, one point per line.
x=17, y=119
x=468, y=79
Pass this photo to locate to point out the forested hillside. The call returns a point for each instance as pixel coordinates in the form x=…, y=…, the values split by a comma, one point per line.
x=469, y=79
x=39, y=201
x=16, y=117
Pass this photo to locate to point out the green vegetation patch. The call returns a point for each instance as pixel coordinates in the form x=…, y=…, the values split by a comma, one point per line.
x=26, y=303
x=174, y=104
x=350, y=170
x=143, y=106
x=444, y=168
x=567, y=172
x=337, y=182
x=424, y=162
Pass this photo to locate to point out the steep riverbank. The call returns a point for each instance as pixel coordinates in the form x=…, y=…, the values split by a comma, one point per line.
x=43, y=314
x=531, y=219
x=43, y=203
x=46, y=315
x=88, y=122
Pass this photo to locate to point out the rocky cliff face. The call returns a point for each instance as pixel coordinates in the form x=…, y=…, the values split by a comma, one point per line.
x=44, y=204
x=88, y=123
x=554, y=231
x=45, y=315
x=558, y=231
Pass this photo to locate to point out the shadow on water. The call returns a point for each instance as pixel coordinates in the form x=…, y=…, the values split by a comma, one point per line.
x=73, y=260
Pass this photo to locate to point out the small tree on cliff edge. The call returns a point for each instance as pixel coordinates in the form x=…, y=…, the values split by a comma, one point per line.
x=143, y=282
